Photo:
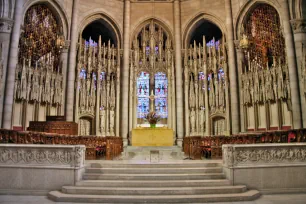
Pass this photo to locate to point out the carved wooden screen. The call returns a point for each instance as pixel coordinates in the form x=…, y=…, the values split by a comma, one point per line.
x=38, y=81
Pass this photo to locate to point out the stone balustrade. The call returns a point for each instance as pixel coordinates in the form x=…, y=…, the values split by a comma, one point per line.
x=269, y=168
x=38, y=168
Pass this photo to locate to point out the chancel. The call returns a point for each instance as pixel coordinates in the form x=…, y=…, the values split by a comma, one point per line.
x=152, y=101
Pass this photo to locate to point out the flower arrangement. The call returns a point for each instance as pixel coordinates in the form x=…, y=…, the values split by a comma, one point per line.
x=152, y=117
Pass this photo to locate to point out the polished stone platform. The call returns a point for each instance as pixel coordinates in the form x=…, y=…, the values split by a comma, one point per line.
x=152, y=154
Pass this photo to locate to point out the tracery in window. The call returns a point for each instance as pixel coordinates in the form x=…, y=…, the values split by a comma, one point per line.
x=42, y=35
x=263, y=29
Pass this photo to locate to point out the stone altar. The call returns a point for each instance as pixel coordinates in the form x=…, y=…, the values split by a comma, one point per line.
x=152, y=137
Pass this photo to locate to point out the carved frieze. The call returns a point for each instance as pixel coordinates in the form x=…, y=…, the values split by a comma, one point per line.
x=42, y=155
x=263, y=154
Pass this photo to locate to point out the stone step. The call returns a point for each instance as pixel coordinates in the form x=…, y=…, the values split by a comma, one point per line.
x=154, y=183
x=61, y=197
x=153, y=191
x=160, y=170
x=158, y=165
x=186, y=176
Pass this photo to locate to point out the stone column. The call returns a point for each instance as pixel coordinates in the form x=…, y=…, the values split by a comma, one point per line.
x=294, y=84
x=240, y=67
x=232, y=69
x=64, y=61
x=12, y=63
x=178, y=74
x=72, y=63
x=125, y=74
x=299, y=28
x=5, y=33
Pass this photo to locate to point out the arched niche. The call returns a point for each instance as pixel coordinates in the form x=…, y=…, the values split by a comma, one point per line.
x=146, y=22
x=100, y=24
x=201, y=22
x=247, y=9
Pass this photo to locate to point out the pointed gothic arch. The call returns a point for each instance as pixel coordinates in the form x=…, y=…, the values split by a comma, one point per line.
x=248, y=8
x=107, y=21
x=195, y=22
x=57, y=8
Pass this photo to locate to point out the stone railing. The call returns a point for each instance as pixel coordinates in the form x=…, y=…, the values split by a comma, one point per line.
x=108, y=147
x=211, y=146
x=270, y=168
x=37, y=168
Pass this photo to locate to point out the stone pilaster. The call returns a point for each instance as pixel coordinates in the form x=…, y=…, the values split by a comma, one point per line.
x=64, y=61
x=293, y=74
x=240, y=54
x=72, y=64
x=6, y=26
x=178, y=74
x=299, y=30
x=234, y=109
x=125, y=73
x=12, y=63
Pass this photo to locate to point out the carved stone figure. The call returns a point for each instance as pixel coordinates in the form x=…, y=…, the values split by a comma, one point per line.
x=192, y=121
x=211, y=96
x=102, y=122
x=202, y=120
x=111, y=122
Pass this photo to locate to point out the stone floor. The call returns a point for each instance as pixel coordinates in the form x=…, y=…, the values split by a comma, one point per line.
x=264, y=199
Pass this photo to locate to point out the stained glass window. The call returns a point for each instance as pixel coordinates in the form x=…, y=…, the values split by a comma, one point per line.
x=102, y=76
x=143, y=93
x=221, y=74
x=83, y=74
x=161, y=93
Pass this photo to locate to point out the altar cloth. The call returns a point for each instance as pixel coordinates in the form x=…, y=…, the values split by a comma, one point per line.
x=152, y=137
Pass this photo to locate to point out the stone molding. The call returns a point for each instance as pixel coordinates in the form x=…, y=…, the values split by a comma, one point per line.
x=298, y=25
x=6, y=25
x=264, y=155
x=42, y=155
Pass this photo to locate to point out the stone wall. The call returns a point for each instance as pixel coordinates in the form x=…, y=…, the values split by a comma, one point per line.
x=269, y=168
x=38, y=169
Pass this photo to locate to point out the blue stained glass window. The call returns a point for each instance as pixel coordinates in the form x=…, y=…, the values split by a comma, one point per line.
x=143, y=93
x=102, y=76
x=161, y=84
x=161, y=93
x=83, y=74
x=143, y=85
x=221, y=74
x=143, y=107
x=161, y=107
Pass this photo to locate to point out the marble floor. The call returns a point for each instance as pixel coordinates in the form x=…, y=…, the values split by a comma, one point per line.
x=264, y=199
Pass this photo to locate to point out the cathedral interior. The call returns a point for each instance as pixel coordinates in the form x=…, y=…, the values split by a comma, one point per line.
x=214, y=71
